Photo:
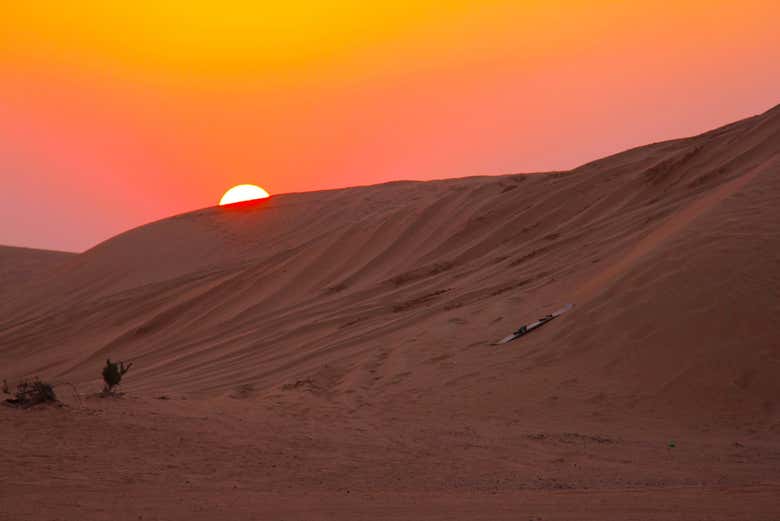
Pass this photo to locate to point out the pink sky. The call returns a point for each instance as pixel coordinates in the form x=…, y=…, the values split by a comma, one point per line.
x=108, y=121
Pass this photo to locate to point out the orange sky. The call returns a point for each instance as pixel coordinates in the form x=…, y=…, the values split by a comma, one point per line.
x=113, y=114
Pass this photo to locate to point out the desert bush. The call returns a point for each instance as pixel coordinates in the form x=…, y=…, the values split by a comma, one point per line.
x=113, y=373
x=32, y=392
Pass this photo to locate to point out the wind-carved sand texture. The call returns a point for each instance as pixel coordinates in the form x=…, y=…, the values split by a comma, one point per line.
x=328, y=355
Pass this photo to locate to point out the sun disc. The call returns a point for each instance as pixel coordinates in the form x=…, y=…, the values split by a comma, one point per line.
x=241, y=193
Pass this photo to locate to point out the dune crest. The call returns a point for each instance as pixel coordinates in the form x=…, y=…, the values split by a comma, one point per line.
x=328, y=355
x=658, y=246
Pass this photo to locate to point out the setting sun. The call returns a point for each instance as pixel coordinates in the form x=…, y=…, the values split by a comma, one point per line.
x=241, y=193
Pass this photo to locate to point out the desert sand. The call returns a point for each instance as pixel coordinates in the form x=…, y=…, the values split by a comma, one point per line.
x=329, y=355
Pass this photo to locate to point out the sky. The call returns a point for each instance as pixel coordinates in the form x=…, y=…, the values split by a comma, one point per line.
x=115, y=114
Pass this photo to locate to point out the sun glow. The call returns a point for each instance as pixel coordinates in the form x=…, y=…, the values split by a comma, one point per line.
x=242, y=193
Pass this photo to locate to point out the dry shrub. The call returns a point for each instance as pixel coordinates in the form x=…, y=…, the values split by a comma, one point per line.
x=32, y=392
x=113, y=373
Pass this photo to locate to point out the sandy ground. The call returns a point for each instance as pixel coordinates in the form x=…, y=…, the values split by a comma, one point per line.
x=329, y=355
x=169, y=459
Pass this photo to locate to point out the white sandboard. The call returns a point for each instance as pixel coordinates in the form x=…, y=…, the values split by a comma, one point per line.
x=530, y=327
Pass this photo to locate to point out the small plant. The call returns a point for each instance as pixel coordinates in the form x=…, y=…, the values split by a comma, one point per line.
x=5, y=389
x=113, y=373
x=29, y=393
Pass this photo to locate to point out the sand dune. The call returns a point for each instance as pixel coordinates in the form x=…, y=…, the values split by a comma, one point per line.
x=21, y=268
x=367, y=314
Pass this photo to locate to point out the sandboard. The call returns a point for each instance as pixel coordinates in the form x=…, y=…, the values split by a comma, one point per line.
x=530, y=327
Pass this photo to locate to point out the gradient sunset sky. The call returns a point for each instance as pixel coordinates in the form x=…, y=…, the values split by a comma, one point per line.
x=115, y=113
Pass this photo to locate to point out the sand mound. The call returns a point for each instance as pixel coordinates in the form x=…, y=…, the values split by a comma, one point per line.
x=394, y=292
x=328, y=355
x=22, y=269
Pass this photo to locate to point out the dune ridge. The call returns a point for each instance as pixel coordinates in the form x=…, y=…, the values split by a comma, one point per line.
x=264, y=293
x=315, y=345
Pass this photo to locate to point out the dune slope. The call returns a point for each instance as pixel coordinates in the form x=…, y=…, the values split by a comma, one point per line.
x=24, y=268
x=669, y=252
x=320, y=344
